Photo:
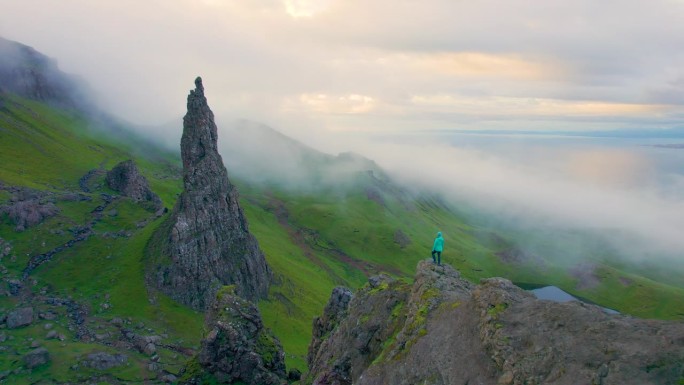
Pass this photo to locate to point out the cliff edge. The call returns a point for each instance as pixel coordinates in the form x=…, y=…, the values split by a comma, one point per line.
x=445, y=330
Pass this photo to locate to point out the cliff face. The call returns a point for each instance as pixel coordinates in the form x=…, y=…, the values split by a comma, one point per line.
x=445, y=330
x=205, y=243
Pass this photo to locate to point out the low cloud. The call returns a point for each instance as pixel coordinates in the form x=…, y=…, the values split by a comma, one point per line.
x=617, y=194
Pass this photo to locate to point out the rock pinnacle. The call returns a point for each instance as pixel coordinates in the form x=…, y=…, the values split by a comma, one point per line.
x=205, y=243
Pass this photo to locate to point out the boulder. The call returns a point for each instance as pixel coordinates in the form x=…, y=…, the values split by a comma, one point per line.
x=127, y=180
x=20, y=317
x=36, y=358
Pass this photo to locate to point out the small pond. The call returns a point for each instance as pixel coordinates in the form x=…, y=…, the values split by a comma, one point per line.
x=553, y=293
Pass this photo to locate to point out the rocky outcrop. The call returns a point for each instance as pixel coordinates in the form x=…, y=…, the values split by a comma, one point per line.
x=127, y=180
x=206, y=242
x=238, y=348
x=334, y=312
x=27, y=208
x=445, y=330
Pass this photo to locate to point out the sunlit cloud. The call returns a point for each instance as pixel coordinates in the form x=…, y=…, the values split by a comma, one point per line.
x=333, y=104
x=522, y=106
x=477, y=64
x=305, y=8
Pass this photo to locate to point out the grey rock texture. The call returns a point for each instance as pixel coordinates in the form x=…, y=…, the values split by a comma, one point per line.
x=334, y=312
x=206, y=242
x=36, y=358
x=28, y=208
x=238, y=348
x=104, y=361
x=126, y=179
x=20, y=317
x=444, y=330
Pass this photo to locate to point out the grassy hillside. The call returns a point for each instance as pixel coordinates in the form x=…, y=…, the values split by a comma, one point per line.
x=334, y=234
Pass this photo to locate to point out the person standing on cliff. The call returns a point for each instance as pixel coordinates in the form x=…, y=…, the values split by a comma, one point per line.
x=437, y=248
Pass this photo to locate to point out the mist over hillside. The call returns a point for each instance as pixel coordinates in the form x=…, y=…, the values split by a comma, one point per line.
x=623, y=193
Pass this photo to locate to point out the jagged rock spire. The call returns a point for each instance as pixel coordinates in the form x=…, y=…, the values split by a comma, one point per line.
x=206, y=242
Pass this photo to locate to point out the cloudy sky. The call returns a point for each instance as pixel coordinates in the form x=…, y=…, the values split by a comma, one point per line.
x=312, y=66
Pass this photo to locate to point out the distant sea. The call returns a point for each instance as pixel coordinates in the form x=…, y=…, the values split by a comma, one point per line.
x=664, y=156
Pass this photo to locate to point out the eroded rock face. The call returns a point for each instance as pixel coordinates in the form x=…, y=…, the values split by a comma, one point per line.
x=341, y=349
x=445, y=330
x=206, y=242
x=126, y=179
x=238, y=348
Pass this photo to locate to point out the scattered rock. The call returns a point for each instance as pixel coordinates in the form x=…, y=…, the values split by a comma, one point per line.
x=117, y=322
x=28, y=213
x=52, y=334
x=37, y=357
x=104, y=361
x=20, y=317
x=169, y=378
x=150, y=349
x=35, y=344
x=47, y=326
x=49, y=315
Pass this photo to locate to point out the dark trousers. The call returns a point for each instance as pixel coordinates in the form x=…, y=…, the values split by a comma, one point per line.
x=439, y=257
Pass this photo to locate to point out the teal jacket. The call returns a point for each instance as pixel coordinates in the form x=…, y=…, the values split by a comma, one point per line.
x=439, y=243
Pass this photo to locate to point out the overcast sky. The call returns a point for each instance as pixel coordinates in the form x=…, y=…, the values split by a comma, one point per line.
x=309, y=67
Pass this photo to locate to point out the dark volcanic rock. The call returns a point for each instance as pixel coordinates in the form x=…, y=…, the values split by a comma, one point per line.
x=205, y=243
x=37, y=357
x=20, y=317
x=237, y=348
x=445, y=330
x=126, y=179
